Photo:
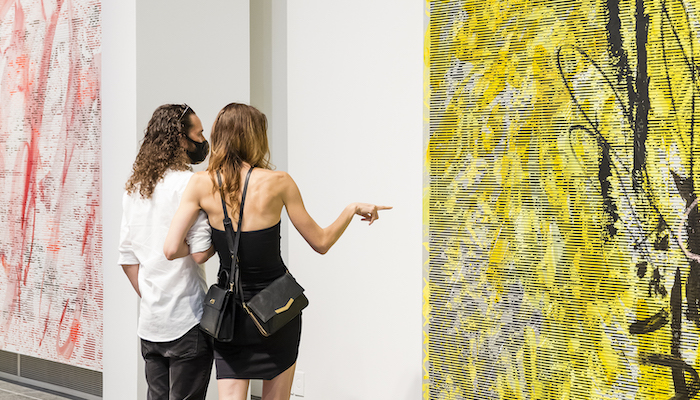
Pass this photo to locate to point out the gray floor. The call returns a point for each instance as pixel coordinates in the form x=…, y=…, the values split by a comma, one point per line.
x=11, y=391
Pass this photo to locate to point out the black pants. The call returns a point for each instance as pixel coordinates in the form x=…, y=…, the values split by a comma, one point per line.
x=178, y=370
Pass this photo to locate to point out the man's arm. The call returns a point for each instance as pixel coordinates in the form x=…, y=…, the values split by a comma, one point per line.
x=132, y=272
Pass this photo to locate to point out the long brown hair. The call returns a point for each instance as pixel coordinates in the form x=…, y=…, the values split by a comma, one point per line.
x=162, y=148
x=239, y=135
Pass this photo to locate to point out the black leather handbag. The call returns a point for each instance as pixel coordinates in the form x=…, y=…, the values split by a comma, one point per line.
x=219, y=311
x=280, y=302
x=218, y=314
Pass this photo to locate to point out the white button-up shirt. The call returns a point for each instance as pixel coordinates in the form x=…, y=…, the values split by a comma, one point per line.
x=171, y=291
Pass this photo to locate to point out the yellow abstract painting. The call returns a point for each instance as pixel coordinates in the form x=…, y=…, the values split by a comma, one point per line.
x=561, y=215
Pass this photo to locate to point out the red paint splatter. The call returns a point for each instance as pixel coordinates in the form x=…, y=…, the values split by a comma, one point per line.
x=46, y=322
x=65, y=349
x=42, y=187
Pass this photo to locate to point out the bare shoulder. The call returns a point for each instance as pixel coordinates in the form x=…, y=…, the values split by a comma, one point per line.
x=274, y=181
x=273, y=177
x=201, y=181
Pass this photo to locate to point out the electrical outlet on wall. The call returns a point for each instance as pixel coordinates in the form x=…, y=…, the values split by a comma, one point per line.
x=298, y=385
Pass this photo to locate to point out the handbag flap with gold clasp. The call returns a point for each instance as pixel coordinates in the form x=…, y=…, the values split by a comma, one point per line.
x=215, y=297
x=276, y=298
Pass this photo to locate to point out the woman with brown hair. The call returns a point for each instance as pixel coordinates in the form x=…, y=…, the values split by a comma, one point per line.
x=239, y=144
x=178, y=356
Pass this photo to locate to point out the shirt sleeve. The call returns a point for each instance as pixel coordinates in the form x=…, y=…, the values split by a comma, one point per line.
x=199, y=235
x=126, y=252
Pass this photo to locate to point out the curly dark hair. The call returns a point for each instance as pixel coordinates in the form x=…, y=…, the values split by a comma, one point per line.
x=161, y=149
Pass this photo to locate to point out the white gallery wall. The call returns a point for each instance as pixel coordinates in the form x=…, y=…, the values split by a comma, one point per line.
x=354, y=133
x=343, y=88
x=119, y=140
x=157, y=52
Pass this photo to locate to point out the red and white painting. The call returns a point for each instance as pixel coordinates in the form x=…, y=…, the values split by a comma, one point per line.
x=51, y=288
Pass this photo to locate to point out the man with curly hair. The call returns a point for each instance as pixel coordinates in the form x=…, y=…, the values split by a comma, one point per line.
x=177, y=354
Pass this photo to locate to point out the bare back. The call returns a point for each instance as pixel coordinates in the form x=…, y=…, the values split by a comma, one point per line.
x=268, y=191
x=263, y=204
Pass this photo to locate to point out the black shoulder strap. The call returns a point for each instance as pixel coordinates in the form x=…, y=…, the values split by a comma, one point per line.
x=228, y=227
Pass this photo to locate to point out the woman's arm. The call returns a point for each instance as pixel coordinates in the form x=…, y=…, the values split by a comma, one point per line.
x=174, y=252
x=175, y=245
x=202, y=256
x=321, y=239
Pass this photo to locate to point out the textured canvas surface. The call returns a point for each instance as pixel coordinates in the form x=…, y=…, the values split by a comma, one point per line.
x=50, y=180
x=562, y=221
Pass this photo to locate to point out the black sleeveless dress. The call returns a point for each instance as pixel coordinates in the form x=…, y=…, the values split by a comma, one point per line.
x=250, y=355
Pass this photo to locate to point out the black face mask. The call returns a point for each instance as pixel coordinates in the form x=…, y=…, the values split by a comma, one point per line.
x=200, y=152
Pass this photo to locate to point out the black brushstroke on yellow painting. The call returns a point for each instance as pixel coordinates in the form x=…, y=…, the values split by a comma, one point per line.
x=631, y=90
